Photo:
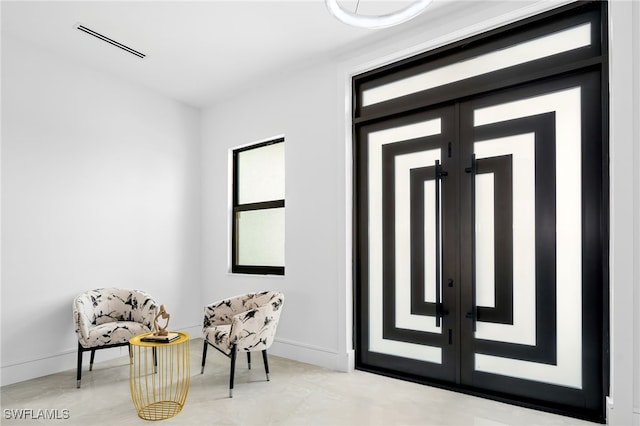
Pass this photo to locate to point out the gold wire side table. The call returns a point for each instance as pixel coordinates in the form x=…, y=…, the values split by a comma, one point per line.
x=159, y=375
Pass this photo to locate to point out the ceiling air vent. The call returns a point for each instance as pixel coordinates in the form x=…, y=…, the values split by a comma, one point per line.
x=110, y=41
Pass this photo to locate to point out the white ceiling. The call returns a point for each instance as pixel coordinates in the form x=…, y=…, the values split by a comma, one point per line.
x=198, y=52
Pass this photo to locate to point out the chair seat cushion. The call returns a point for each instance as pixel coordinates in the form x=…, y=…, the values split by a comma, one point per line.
x=112, y=333
x=218, y=336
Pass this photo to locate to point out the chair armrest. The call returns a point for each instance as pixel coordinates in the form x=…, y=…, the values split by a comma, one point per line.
x=83, y=316
x=255, y=329
x=145, y=309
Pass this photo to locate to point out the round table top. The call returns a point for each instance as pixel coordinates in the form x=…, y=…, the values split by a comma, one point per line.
x=137, y=340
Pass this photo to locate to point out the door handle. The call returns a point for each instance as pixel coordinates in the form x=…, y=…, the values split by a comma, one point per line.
x=473, y=314
x=439, y=173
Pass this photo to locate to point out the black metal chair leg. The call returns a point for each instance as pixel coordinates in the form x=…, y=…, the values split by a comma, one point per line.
x=93, y=355
x=204, y=356
x=249, y=360
x=79, y=373
x=266, y=363
x=93, y=350
x=233, y=370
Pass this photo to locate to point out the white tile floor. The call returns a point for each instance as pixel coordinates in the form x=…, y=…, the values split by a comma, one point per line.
x=298, y=394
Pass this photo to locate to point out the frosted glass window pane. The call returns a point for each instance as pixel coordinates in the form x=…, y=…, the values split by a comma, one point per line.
x=561, y=41
x=261, y=237
x=261, y=174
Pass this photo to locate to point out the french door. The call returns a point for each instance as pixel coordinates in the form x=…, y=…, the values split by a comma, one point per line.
x=480, y=243
x=405, y=159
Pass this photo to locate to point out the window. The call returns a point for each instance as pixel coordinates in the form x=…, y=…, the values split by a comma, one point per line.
x=258, y=209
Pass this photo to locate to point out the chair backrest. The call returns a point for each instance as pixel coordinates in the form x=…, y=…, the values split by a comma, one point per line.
x=105, y=305
x=255, y=328
x=223, y=311
x=256, y=300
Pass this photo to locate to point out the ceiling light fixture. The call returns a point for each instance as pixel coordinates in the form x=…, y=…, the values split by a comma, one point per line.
x=377, y=21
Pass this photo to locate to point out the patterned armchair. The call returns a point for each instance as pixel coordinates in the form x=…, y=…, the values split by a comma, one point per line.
x=244, y=323
x=109, y=317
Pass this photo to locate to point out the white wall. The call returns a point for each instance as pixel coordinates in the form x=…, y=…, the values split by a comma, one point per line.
x=100, y=187
x=314, y=116
x=304, y=109
x=624, y=39
x=634, y=53
x=635, y=118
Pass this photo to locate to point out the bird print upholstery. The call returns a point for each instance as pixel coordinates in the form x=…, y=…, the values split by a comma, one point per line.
x=248, y=321
x=109, y=316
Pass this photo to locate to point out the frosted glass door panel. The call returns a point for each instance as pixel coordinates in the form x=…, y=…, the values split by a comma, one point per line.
x=404, y=165
x=564, y=106
x=430, y=283
x=523, y=328
x=260, y=239
x=485, y=241
x=401, y=158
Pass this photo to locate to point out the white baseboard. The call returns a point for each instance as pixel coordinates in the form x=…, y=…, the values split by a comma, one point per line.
x=635, y=414
x=608, y=408
x=63, y=361
x=67, y=360
x=323, y=357
x=56, y=363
